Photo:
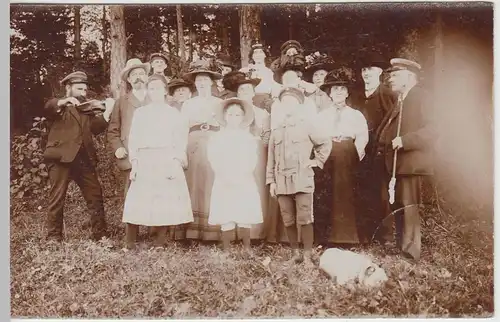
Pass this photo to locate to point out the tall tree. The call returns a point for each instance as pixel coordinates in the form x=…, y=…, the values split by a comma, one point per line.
x=104, y=38
x=78, y=43
x=118, y=49
x=180, y=37
x=249, y=29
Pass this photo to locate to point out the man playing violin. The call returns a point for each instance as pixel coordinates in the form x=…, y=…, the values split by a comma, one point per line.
x=70, y=153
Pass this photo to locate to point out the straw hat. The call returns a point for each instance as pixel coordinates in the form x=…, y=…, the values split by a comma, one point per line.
x=134, y=63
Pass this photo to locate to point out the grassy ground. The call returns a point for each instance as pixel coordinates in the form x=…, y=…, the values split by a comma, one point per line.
x=86, y=279
x=100, y=280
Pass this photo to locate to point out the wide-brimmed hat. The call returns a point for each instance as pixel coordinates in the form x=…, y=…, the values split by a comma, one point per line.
x=201, y=67
x=404, y=64
x=373, y=59
x=321, y=65
x=158, y=55
x=335, y=78
x=247, y=110
x=295, y=63
x=176, y=83
x=292, y=91
x=233, y=80
x=132, y=64
x=75, y=78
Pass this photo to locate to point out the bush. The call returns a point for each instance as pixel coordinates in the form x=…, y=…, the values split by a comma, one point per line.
x=28, y=172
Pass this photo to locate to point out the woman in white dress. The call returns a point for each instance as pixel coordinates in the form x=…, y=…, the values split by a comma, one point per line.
x=200, y=113
x=158, y=195
x=233, y=156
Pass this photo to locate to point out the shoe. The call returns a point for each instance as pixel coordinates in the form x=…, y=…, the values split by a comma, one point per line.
x=309, y=258
x=297, y=256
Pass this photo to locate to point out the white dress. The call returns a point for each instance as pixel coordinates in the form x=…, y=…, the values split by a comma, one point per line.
x=159, y=194
x=233, y=156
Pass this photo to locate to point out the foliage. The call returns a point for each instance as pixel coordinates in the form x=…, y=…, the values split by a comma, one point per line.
x=28, y=172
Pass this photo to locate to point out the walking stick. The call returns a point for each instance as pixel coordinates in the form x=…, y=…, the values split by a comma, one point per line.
x=392, y=183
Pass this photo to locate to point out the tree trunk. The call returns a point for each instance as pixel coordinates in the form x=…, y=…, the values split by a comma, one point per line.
x=118, y=50
x=225, y=36
x=249, y=30
x=180, y=36
x=104, y=39
x=78, y=45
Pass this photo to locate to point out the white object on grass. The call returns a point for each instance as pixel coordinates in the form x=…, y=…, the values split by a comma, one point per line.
x=346, y=266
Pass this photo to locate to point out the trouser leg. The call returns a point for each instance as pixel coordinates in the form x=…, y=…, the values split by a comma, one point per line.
x=59, y=177
x=408, y=193
x=131, y=232
x=85, y=176
x=288, y=215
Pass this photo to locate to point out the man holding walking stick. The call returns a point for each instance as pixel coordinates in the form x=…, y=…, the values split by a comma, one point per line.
x=404, y=148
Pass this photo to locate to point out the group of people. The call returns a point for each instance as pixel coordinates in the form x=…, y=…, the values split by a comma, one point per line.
x=223, y=154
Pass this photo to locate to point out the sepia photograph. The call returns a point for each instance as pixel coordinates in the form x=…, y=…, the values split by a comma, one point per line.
x=259, y=160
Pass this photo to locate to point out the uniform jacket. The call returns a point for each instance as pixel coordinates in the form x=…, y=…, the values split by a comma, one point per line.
x=69, y=130
x=418, y=134
x=119, y=125
x=290, y=147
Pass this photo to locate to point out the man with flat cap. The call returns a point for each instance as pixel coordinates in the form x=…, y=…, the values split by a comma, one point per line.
x=158, y=63
x=375, y=100
x=70, y=153
x=135, y=74
x=414, y=146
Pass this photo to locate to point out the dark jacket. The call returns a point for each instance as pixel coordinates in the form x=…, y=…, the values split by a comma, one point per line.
x=68, y=131
x=120, y=123
x=418, y=134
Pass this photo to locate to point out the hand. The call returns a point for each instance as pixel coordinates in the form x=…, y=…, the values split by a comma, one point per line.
x=397, y=143
x=121, y=153
x=133, y=174
x=312, y=164
x=272, y=190
x=67, y=100
x=110, y=104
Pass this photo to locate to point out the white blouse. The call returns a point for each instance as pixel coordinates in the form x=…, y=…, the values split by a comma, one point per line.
x=346, y=122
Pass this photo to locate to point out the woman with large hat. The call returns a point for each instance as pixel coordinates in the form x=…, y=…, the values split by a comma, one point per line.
x=348, y=131
x=244, y=88
x=315, y=73
x=180, y=91
x=233, y=156
x=225, y=66
x=200, y=113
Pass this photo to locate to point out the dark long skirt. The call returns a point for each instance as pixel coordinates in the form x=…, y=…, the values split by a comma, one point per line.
x=335, y=198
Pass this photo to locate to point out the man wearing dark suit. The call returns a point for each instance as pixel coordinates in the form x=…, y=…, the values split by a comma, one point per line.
x=374, y=101
x=70, y=155
x=415, y=152
x=135, y=73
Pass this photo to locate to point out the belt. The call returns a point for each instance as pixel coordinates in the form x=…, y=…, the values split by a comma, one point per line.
x=341, y=138
x=203, y=127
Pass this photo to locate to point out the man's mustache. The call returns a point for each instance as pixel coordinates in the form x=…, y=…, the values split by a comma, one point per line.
x=138, y=80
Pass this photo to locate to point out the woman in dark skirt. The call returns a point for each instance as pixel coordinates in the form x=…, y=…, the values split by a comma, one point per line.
x=349, y=133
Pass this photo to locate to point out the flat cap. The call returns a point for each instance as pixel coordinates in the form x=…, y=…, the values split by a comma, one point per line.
x=291, y=44
x=404, y=64
x=157, y=55
x=75, y=78
x=292, y=91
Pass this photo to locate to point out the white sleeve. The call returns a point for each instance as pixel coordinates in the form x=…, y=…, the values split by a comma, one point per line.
x=361, y=134
x=134, y=135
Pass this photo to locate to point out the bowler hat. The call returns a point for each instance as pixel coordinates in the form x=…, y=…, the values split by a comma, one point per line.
x=134, y=63
x=177, y=83
x=245, y=105
x=201, y=67
x=233, y=80
x=75, y=78
x=373, y=59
